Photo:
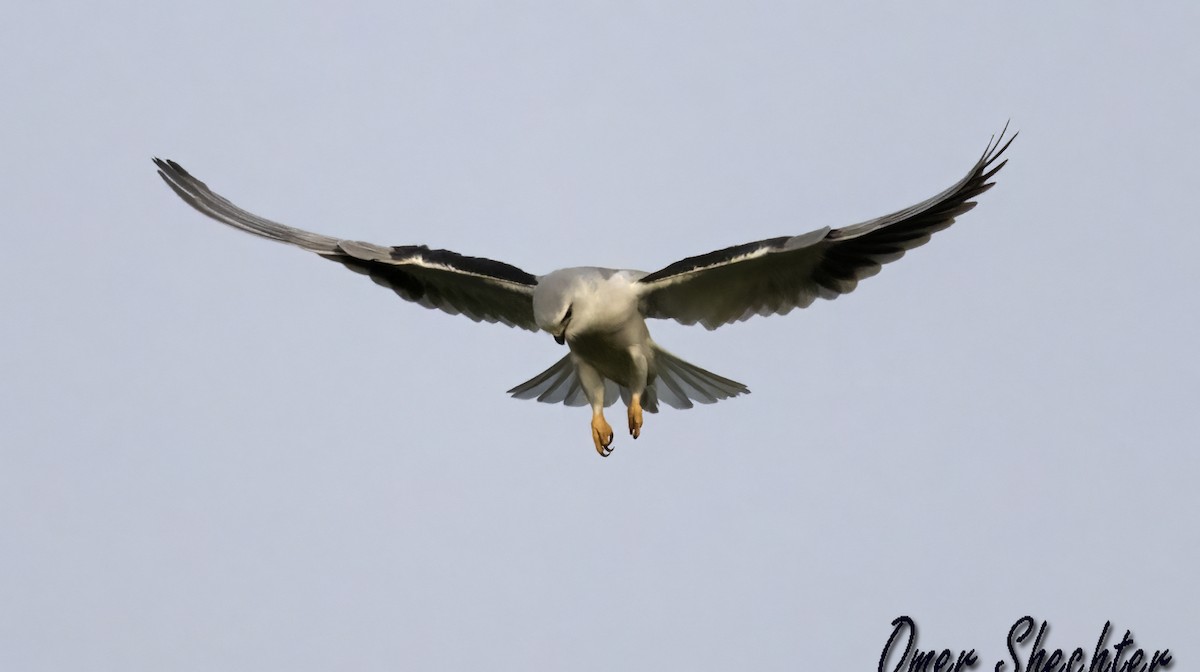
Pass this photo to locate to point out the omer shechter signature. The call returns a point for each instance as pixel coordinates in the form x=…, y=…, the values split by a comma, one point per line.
x=1025, y=653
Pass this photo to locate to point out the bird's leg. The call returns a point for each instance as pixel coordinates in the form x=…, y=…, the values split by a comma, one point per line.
x=602, y=432
x=593, y=388
x=640, y=369
x=635, y=415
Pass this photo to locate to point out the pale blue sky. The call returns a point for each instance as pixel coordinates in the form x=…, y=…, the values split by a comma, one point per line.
x=217, y=453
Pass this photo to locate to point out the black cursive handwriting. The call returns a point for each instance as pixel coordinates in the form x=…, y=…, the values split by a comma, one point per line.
x=919, y=661
x=1039, y=660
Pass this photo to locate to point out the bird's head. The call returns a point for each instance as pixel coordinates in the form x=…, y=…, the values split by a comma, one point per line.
x=555, y=302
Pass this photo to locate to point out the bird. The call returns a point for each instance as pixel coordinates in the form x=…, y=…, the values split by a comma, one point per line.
x=600, y=314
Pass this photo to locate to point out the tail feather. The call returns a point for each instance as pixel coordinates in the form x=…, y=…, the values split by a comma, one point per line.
x=533, y=387
x=692, y=389
x=675, y=383
x=557, y=387
x=687, y=382
x=560, y=384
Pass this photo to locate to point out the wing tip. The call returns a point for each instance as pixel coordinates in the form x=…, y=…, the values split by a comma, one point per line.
x=994, y=147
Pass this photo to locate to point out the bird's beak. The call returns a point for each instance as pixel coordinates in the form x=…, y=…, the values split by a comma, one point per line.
x=560, y=338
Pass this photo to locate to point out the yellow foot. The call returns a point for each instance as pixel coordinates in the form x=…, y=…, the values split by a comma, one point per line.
x=602, y=435
x=635, y=419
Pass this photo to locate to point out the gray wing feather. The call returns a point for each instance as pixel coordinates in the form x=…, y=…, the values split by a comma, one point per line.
x=775, y=276
x=481, y=289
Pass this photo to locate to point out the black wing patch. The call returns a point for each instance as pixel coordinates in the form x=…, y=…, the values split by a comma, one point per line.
x=777, y=275
x=473, y=265
x=481, y=289
x=715, y=258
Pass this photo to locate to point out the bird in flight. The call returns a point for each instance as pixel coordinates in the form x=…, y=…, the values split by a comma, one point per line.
x=600, y=313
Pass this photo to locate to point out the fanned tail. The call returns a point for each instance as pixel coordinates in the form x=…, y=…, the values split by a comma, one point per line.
x=676, y=383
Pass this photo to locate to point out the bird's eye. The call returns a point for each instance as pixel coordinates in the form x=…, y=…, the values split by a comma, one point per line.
x=568, y=314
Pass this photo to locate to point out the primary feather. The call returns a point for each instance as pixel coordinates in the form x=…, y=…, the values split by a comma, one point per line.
x=777, y=275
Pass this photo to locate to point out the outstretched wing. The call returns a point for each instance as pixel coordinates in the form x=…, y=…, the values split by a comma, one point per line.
x=481, y=289
x=777, y=275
